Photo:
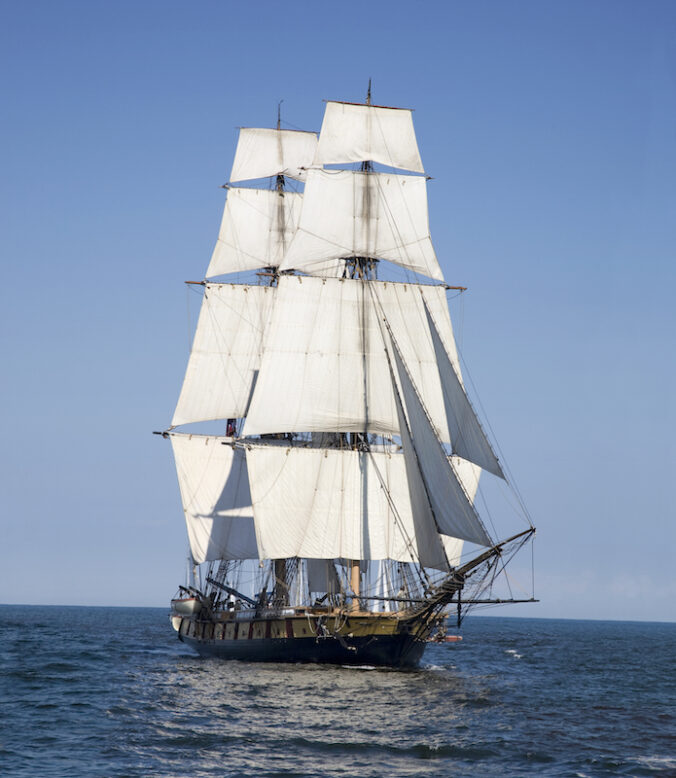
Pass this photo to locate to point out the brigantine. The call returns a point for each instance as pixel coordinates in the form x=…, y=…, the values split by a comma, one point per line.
x=328, y=523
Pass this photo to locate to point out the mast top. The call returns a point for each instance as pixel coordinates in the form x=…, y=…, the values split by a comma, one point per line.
x=368, y=94
x=279, y=114
x=370, y=105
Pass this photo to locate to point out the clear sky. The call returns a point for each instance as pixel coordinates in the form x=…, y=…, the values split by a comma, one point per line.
x=550, y=131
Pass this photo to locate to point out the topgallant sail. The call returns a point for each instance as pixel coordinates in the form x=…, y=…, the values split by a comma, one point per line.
x=331, y=521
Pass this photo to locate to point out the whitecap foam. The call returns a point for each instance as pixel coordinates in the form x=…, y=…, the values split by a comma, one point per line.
x=658, y=762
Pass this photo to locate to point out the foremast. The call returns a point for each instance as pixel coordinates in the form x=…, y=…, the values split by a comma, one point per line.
x=280, y=595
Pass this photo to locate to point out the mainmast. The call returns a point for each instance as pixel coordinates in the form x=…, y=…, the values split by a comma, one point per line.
x=365, y=269
x=280, y=176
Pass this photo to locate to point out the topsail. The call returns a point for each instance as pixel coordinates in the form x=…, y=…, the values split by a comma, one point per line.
x=360, y=133
x=363, y=214
x=265, y=152
x=257, y=228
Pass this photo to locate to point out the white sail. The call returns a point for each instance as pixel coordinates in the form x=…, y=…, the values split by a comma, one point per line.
x=361, y=214
x=324, y=367
x=453, y=549
x=468, y=475
x=357, y=133
x=427, y=529
x=262, y=152
x=257, y=228
x=454, y=513
x=225, y=355
x=467, y=436
x=328, y=503
x=214, y=488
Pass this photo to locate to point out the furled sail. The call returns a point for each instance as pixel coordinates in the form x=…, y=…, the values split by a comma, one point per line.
x=324, y=367
x=453, y=511
x=468, y=439
x=257, y=228
x=214, y=488
x=363, y=214
x=264, y=152
x=357, y=133
x=225, y=355
x=332, y=503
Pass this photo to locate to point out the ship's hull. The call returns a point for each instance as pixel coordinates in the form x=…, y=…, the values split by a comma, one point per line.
x=367, y=639
x=380, y=651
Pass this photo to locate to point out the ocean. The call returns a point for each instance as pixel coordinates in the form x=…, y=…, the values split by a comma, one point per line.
x=111, y=692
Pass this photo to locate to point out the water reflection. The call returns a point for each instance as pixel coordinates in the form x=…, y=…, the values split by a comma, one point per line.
x=291, y=718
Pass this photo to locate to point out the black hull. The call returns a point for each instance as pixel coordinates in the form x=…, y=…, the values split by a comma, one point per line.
x=399, y=651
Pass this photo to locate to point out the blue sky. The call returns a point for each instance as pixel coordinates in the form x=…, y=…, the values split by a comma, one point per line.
x=550, y=133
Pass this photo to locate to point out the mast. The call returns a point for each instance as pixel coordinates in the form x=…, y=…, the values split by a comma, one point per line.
x=365, y=269
x=280, y=593
x=280, y=184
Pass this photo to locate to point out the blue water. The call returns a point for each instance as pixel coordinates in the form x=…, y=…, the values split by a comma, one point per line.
x=111, y=692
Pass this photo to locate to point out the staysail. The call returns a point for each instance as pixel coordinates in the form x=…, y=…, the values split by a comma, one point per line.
x=421, y=509
x=453, y=511
x=467, y=437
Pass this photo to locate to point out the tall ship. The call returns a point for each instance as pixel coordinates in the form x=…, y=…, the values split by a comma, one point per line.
x=328, y=456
